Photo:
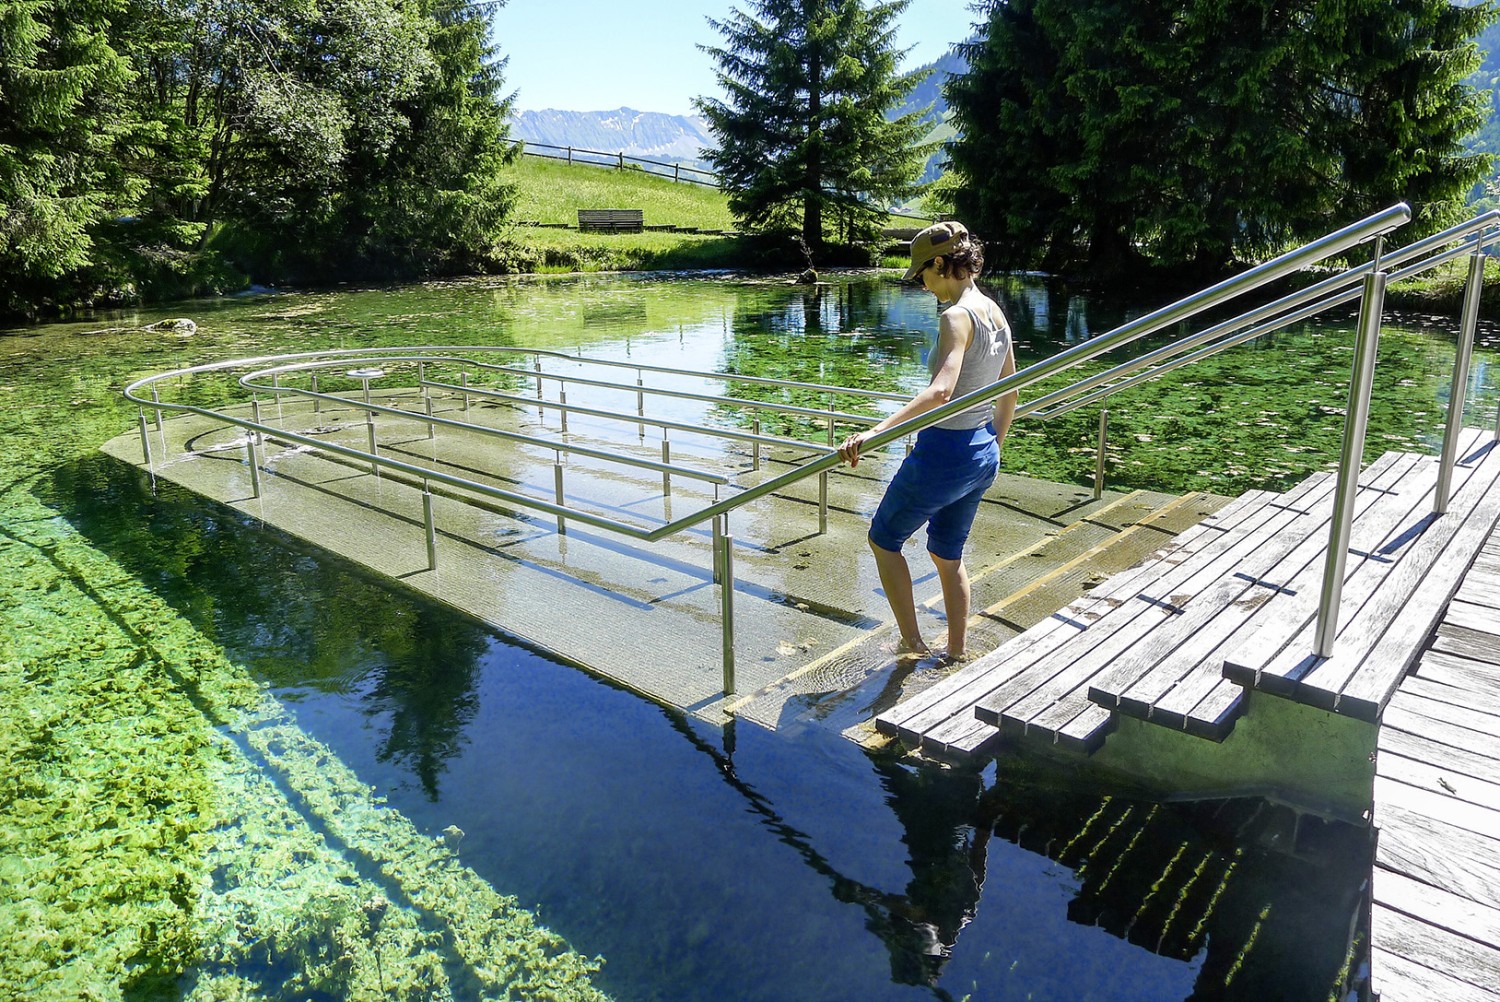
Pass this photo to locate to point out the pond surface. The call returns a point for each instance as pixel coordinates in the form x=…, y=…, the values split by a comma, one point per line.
x=705, y=864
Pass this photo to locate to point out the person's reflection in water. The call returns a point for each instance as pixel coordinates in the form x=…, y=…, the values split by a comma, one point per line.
x=947, y=844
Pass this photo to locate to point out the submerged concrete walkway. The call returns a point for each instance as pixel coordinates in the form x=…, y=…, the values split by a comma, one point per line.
x=809, y=618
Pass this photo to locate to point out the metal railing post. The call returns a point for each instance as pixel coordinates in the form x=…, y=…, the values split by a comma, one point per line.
x=145, y=439
x=537, y=360
x=255, y=416
x=755, y=445
x=718, y=531
x=431, y=425
x=430, y=524
x=562, y=408
x=640, y=402
x=370, y=433
x=317, y=401
x=1460, y=390
x=463, y=378
x=725, y=563
x=666, y=457
x=157, y=399
x=254, y=465
x=822, y=502
x=557, y=484
x=1099, y=459
x=1357, y=416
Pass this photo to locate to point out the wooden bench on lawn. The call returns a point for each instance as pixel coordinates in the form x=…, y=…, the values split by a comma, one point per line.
x=619, y=220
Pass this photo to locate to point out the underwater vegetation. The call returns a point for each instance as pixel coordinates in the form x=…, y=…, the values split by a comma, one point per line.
x=166, y=828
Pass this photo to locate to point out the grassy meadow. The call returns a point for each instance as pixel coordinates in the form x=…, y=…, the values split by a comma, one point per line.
x=549, y=191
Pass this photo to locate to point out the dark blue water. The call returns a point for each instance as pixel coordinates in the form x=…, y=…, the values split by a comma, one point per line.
x=740, y=864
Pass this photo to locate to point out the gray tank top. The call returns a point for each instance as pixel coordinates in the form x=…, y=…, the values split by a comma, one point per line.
x=982, y=364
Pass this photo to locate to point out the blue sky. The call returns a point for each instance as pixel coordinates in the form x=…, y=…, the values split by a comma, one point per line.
x=597, y=55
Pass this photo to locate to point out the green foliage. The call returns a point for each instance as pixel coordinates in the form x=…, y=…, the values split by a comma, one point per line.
x=804, y=142
x=62, y=115
x=1099, y=135
x=158, y=148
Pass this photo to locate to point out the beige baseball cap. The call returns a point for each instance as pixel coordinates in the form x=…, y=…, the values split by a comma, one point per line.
x=939, y=238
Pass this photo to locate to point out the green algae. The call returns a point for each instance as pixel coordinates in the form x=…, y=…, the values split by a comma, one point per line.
x=165, y=819
x=166, y=830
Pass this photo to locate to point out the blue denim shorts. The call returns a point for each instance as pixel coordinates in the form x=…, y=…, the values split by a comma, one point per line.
x=941, y=483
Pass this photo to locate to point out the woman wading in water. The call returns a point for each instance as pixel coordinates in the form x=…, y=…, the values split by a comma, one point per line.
x=943, y=479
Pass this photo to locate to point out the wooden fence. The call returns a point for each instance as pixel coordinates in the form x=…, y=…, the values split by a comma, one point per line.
x=677, y=172
x=619, y=160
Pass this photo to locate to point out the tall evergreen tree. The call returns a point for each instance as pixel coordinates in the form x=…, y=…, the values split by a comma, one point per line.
x=63, y=116
x=433, y=201
x=803, y=137
x=1097, y=133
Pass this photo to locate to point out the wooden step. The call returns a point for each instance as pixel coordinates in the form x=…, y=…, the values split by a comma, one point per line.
x=941, y=718
x=1175, y=677
x=1049, y=697
x=1392, y=599
x=845, y=687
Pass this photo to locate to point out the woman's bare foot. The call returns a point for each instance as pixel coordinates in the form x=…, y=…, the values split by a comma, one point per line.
x=909, y=650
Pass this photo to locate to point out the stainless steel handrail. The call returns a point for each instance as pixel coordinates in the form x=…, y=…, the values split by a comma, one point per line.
x=711, y=374
x=1348, y=282
x=432, y=419
x=1334, y=243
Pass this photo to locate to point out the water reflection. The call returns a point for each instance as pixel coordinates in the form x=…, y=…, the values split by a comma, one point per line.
x=946, y=869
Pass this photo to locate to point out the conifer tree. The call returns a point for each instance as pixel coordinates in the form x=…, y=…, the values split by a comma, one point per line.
x=803, y=139
x=62, y=116
x=1099, y=134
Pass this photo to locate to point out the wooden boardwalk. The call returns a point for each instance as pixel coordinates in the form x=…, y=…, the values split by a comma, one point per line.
x=1226, y=608
x=1435, y=917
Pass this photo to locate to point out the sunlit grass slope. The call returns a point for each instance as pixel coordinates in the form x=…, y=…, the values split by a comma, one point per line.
x=552, y=192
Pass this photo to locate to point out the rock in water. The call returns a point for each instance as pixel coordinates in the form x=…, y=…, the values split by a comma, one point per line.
x=179, y=325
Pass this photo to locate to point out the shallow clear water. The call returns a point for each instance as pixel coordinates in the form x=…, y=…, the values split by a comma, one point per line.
x=710, y=865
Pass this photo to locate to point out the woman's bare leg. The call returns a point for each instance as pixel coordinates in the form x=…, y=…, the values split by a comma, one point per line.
x=895, y=578
x=955, y=581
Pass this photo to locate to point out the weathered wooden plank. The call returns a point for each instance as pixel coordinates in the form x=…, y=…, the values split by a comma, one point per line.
x=1196, y=597
x=1437, y=779
x=1193, y=662
x=1479, y=712
x=1467, y=644
x=1435, y=906
x=1399, y=979
x=1086, y=731
x=1405, y=719
x=1368, y=667
x=1438, y=853
x=1481, y=586
x=956, y=695
x=1435, y=948
x=1459, y=672
x=960, y=737
x=1480, y=618
x=1215, y=714
x=1445, y=807
x=1417, y=746
x=1371, y=599
x=1281, y=636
